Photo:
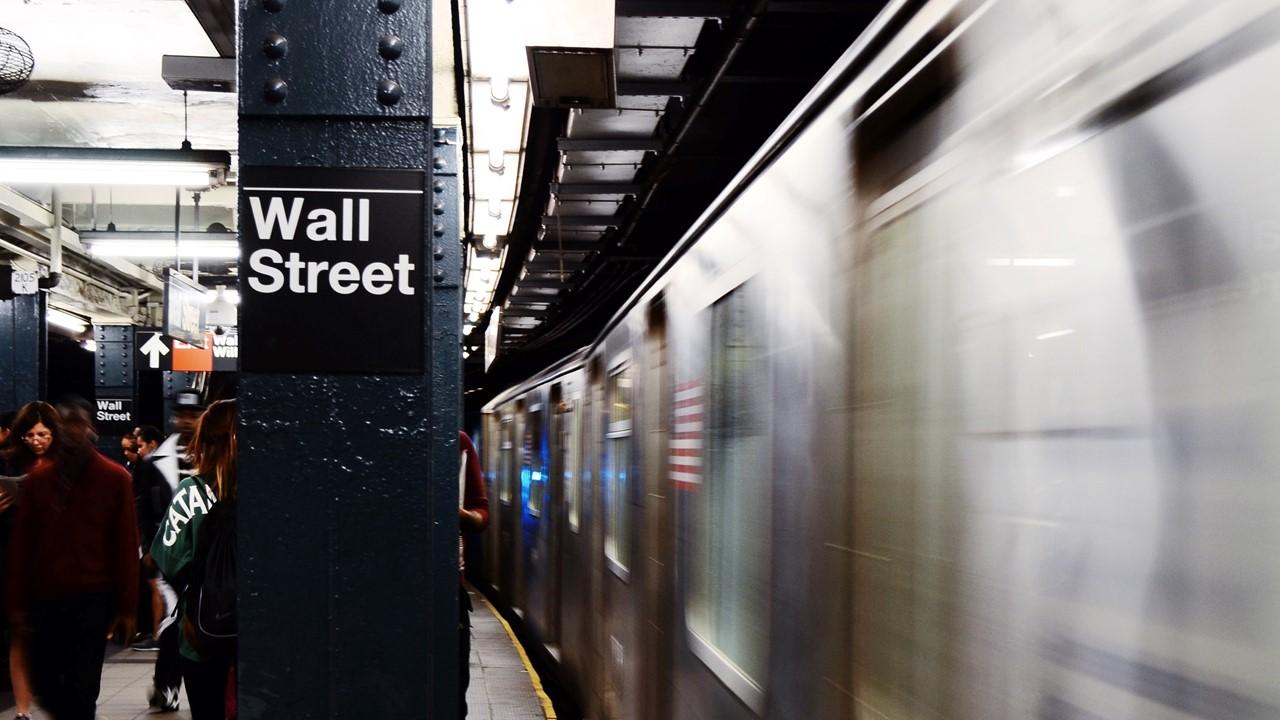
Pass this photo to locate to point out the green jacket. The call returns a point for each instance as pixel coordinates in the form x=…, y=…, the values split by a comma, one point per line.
x=174, y=546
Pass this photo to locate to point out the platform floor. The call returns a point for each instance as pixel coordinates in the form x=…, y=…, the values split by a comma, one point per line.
x=501, y=686
x=126, y=675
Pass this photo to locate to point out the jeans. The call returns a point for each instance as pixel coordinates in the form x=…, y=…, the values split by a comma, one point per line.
x=207, y=687
x=68, y=643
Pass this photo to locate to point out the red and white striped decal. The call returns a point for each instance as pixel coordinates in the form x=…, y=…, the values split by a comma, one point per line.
x=686, y=436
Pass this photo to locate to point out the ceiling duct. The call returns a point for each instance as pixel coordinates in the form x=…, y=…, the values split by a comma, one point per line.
x=572, y=77
x=16, y=61
x=570, y=46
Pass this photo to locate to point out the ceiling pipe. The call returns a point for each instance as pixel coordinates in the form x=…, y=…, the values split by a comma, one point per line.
x=55, y=244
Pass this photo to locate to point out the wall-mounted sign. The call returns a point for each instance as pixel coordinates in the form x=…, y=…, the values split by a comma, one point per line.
x=184, y=309
x=113, y=416
x=158, y=351
x=491, y=337
x=332, y=270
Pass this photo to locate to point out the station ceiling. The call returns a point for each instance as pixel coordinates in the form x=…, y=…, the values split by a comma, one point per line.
x=604, y=193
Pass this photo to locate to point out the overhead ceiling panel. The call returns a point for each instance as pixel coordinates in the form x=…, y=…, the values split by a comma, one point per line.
x=658, y=31
x=594, y=172
x=587, y=207
x=97, y=81
x=651, y=63
x=613, y=123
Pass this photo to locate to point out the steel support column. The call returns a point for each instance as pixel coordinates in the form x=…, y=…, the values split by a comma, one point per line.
x=22, y=350
x=348, y=482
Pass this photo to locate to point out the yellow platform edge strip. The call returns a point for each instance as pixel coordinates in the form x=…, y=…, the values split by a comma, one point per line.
x=547, y=709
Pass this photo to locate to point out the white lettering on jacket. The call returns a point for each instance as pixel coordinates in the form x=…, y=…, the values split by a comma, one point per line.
x=187, y=501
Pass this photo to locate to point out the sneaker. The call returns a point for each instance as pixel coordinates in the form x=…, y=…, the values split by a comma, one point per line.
x=147, y=644
x=161, y=700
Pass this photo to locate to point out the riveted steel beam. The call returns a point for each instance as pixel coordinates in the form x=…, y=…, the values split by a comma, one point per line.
x=580, y=221
x=588, y=189
x=566, y=144
x=654, y=88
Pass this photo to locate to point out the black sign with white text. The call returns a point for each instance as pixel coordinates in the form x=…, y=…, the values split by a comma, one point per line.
x=331, y=270
x=113, y=416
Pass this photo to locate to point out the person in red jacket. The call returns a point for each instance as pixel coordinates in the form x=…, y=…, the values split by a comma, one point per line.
x=74, y=568
x=473, y=516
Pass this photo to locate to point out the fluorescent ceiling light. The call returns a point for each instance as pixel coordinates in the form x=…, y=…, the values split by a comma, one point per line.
x=210, y=249
x=66, y=321
x=110, y=166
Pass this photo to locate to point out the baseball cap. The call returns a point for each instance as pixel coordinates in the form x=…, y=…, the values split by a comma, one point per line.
x=187, y=400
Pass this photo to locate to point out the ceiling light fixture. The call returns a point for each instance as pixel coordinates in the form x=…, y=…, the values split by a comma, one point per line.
x=66, y=320
x=112, y=166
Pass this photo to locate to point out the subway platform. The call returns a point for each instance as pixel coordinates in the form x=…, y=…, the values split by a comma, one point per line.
x=503, y=685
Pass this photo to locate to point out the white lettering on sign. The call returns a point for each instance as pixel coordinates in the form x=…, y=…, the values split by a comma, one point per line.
x=112, y=411
x=322, y=223
x=226, y=346
x=271, y=269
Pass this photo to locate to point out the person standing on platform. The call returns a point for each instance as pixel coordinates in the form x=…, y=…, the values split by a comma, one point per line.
x=172, y=467
x=473, y=517
x=206, y=497
x=35, y=436
x=73, y=576
x=129, y=451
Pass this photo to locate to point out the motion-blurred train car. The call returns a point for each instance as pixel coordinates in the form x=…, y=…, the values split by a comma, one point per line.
x=961, y=402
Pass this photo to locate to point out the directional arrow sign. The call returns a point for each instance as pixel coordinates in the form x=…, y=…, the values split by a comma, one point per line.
x=154, y=349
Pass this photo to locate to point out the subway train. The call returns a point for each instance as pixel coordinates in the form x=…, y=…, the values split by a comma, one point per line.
x=962, y=401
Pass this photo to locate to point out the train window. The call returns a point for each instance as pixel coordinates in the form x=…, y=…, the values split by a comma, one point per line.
x=571, y=427
x=535, y=473
x=504, y=464
x=618, y=472
x=728, y=599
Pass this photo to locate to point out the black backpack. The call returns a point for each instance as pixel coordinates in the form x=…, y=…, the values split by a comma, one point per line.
x=210, y=597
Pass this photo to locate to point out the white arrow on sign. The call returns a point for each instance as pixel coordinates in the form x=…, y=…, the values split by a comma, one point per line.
x=154, y=348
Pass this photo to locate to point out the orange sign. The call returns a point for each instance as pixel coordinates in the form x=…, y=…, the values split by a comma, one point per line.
x=189, y=358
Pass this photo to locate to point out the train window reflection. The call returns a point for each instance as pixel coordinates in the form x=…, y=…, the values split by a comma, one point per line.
x=617, y=472
x=504, y=464
x=729, y=569
x=571, y=427
x=537, y=470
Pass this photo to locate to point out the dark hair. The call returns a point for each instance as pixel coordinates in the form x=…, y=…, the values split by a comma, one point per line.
x=213, y=448
x=16, y=453
x=149, y=434
x=6, y=419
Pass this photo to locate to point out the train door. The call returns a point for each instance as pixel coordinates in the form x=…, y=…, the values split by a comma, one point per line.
x=597, y=638
x=491, y=450
x=658, y=536
x=508, y=529
x=553, y=519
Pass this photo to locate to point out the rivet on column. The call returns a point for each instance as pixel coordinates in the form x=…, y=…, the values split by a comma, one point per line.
x=389, y=92
x=275, y=45
x=390, y=47
x=275, y=90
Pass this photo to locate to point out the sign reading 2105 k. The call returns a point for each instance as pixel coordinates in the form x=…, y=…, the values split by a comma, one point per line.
x=331, y=270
